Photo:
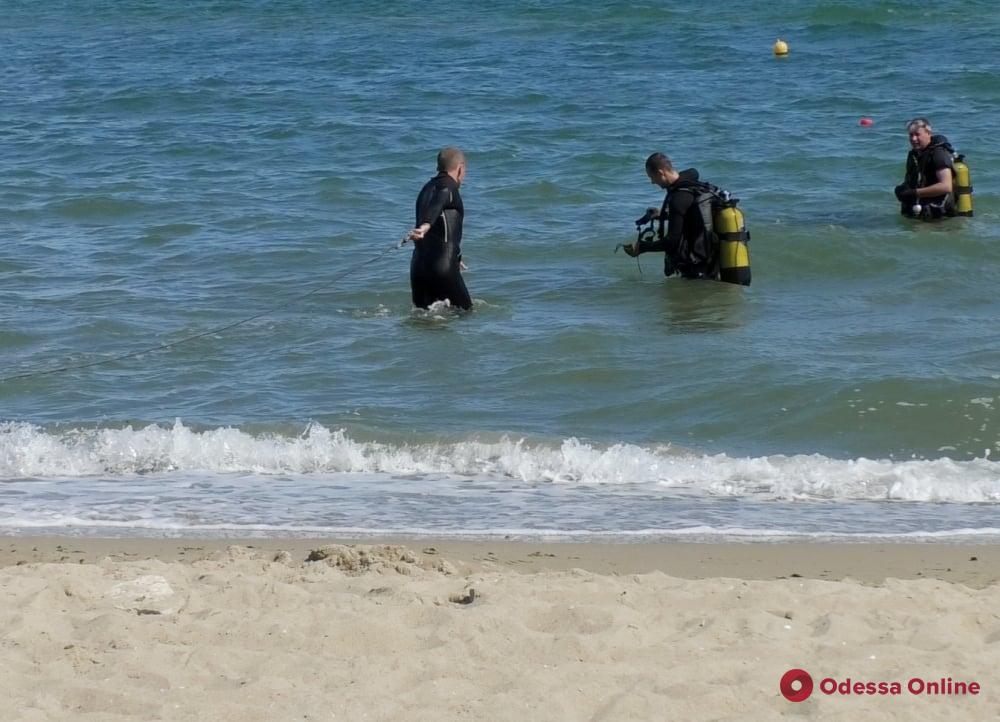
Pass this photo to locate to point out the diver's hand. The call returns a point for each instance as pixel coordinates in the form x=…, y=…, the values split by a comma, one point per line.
x=906, y=196
x=651, y=214
x=631, y=249
x=418, y=233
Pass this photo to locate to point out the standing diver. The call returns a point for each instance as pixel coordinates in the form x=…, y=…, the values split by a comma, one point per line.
x=436, y=263
x=927, y=191
x=688, y=246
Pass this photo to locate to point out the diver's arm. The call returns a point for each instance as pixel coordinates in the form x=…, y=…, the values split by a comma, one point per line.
x=430, y=213
x=910, y=171
x=940, y=188
x=433, y=210
x=680, y=203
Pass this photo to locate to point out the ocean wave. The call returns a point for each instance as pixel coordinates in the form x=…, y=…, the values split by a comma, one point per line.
x=71, y=525
x=28, y=451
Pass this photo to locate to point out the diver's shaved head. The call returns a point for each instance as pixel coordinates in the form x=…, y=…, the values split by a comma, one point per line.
x=658, y=162
x=450, y=158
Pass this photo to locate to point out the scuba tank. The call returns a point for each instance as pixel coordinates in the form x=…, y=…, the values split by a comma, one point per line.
x=963, y=187
x=734, y=253
x=724, y=221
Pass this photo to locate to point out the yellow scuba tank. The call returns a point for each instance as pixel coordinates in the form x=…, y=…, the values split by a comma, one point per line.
x=734, y=253
x=963, y=187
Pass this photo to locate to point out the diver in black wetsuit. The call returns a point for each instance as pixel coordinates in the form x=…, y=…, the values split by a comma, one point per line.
x=927, y=192
x=436, y=264
x=688, y=249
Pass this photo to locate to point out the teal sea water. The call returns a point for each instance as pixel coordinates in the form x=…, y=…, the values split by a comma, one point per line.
x=171, y=169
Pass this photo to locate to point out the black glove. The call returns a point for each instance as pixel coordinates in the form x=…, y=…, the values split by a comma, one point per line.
x=650, y=214
x=906, y=196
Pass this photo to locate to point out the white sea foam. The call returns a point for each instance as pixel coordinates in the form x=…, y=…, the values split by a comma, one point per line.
x=28, y=451
x=71, y=525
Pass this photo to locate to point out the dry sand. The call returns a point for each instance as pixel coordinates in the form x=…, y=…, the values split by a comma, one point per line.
x=142, y=629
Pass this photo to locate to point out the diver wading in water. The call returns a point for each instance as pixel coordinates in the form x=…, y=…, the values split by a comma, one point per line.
x=436, y=263
x=937, y=183
x=699, y=228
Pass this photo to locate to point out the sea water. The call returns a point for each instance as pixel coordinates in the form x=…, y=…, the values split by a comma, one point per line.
x=171, y=170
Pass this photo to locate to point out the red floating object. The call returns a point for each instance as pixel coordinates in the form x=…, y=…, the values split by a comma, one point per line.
x=866, y=122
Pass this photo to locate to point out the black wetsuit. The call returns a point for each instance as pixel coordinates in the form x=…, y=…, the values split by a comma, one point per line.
x=922, y=167
x=435, y=264
x=688, y=249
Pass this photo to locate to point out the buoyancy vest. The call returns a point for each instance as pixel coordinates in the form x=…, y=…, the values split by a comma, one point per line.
x=719, y=250
x=696, y=252
x=921, y=171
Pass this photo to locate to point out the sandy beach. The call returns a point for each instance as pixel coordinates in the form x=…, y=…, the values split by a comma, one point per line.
x=148, y=629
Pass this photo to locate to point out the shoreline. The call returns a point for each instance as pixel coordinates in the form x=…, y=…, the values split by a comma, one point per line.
x=976, y=565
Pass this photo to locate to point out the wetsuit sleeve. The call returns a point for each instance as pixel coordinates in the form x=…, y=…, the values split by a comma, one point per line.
x=910, y=177
x=940, y=160
x=680, y=204
x=430, y=212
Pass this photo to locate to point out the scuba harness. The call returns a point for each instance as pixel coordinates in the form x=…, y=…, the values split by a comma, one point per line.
x=727, y=255
x=725, y=230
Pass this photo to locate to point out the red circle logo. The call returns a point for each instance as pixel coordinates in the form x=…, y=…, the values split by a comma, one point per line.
x=796, y=678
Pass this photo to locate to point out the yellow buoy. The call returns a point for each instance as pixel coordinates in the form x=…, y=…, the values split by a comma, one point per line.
x=780, y=47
